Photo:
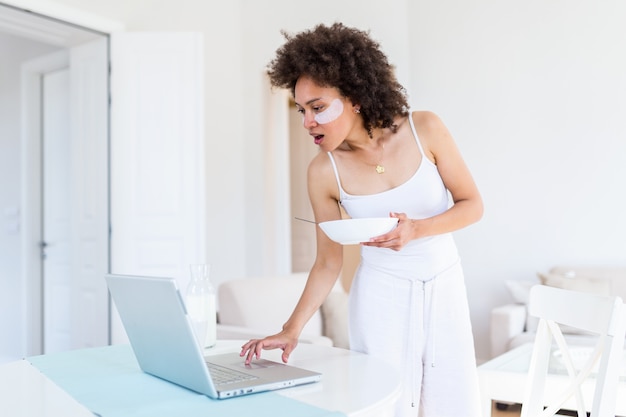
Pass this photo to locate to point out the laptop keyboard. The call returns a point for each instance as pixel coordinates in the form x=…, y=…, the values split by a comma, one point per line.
x=223, y=376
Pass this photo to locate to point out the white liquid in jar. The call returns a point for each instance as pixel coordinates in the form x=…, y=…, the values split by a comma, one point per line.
x=201, y=310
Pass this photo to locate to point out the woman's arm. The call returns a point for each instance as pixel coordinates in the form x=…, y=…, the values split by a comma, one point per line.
x=325, y=270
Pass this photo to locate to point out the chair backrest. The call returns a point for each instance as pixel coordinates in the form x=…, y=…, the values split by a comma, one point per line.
x=601, y=316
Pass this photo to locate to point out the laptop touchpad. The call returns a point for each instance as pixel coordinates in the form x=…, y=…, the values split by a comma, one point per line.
x=260, y=364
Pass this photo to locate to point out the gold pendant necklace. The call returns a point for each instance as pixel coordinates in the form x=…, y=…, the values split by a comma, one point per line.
x=379, y=168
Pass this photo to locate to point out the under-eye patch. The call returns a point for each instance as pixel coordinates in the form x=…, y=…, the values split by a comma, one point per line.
x=331, y=114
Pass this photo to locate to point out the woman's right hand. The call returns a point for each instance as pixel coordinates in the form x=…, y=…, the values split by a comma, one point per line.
x=283, y=340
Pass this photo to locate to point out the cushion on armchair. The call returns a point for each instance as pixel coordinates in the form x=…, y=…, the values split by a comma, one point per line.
x=614, y=277
x=257, y=307
x=576, y=282
x=335, y=318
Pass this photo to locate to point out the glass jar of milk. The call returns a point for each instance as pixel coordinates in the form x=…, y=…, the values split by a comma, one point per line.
x=200, y=303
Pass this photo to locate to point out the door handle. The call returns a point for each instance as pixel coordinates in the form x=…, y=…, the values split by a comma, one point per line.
x=42, y=249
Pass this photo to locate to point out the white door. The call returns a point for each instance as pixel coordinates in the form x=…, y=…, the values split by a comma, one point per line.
x=157, y=154
x=75, y=201
x=56, y=219
x=66, y=201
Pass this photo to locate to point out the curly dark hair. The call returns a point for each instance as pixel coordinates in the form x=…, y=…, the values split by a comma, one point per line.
x=349, y=60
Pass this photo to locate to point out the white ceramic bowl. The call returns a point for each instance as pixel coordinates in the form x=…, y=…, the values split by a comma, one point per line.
x=355, y=231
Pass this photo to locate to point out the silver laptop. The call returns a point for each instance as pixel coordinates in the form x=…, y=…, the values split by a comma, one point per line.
x=162, y=337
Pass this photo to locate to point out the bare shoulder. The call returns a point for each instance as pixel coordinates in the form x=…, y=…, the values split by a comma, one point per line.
x=427, y=121
x=320, y=166
x=321, y=178
x=433, y=134
x=320, y=161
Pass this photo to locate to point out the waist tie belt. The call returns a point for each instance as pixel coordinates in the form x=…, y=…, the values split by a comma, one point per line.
x=430, y=326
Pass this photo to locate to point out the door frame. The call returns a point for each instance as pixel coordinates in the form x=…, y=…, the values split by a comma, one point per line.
x=31, y=155
x=67, y=14
x=185, y=238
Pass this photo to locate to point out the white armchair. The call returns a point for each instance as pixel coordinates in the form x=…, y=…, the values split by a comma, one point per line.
x=257, y=307
x=510, y=324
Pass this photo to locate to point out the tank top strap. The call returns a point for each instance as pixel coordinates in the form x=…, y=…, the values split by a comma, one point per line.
x=419, y=144
x=332, y=161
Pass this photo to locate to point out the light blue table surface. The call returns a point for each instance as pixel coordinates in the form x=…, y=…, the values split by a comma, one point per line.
x=108, y=381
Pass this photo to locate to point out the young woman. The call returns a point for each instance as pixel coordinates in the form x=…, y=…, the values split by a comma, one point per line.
x=408, y=303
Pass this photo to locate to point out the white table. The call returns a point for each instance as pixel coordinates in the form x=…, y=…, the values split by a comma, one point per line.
x=26, y=392
x=504, y=378
x=352, y=383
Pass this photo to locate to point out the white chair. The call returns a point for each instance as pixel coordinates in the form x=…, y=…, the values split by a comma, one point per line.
x=598, y=315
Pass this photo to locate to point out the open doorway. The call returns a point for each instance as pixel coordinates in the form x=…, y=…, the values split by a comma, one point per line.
x=55, y=202
x=124, y=217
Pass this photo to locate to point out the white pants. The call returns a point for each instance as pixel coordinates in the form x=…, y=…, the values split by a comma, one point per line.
x=421, y=327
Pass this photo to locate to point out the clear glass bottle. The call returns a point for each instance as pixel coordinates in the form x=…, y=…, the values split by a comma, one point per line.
x=200, y=302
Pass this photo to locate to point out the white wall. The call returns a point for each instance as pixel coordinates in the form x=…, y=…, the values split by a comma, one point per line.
x=533, y=92
x=13, y=51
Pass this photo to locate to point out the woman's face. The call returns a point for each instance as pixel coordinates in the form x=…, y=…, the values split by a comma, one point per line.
x=327, y=115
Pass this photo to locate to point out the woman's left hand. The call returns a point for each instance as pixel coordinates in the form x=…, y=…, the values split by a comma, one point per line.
x=398, y=237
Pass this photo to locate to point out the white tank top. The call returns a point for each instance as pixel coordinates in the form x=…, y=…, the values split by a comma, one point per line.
x=421, y=196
